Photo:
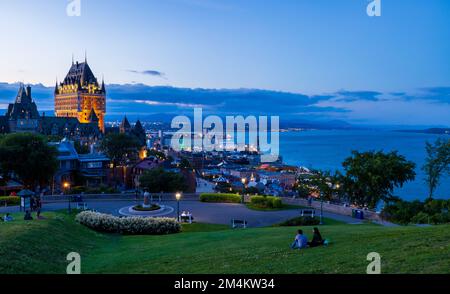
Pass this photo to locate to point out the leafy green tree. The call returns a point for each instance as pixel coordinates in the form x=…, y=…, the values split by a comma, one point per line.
x=159, y=180
x=303, y=186
x=157, y=154
x=184, y=163
x=120, y=148
x=436, y=163
x=29, y=157
x=373, y=176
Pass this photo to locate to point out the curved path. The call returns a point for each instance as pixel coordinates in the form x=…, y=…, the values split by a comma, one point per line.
x=217, y=213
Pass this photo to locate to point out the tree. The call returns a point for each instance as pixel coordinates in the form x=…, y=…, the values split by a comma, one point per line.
x=159, y=155
x=373, y=176
x=436, y=163
x=121, y=149
x=185, y=164
x=29, y=157
x=157, y=180
x=303, y=187
x=324, y=184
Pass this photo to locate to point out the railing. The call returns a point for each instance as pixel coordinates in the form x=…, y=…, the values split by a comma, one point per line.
x=329, y=207
x=120, y=197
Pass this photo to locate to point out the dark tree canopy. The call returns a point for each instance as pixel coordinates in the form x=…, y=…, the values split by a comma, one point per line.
x=29, y=157
x=120, y=148
x=373, y=176
x=158, y=180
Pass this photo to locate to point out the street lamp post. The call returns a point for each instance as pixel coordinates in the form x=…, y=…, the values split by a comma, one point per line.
x=244, y=181
x=321, y=208
x=66, y=186
x=178, y=197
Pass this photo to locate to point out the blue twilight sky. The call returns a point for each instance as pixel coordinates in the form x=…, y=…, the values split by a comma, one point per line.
x=341, y=63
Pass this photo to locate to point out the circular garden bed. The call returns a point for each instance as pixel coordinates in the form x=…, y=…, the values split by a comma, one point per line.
x=153, y=207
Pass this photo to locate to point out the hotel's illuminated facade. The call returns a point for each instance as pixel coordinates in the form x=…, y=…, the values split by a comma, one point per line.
x=81, y=96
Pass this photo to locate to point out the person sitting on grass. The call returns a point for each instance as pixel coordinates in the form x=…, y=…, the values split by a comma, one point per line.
x=8, y=218
x=317, y=239
x=28, y=216
x=300, y=242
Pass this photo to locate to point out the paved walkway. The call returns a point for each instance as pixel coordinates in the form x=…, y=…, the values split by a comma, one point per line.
x=217, y=213
x=204, y=186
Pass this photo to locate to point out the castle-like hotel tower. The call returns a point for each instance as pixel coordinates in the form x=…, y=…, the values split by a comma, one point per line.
x=81, y=96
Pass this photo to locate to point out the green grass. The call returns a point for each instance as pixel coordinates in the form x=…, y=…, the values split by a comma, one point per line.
x=201, y=227
x=41, y=246
x=284, y=207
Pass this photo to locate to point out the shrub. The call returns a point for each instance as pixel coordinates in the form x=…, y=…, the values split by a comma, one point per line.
x=10, y=200
x=266, y=202
x=93, y=190
x=128, y=225
x=404, y=212
x=142, y=208
x=218, y=197
x=420, y=218
x=301, y=221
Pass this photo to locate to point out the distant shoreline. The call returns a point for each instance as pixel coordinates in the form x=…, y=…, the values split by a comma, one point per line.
x=436, y=131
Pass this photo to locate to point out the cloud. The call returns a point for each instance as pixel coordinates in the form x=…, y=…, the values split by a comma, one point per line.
x=350, y=96
x=176, y=104
x=425, y=105
x=149, y=72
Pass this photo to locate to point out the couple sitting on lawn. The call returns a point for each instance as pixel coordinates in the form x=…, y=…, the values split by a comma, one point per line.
x=301, y=241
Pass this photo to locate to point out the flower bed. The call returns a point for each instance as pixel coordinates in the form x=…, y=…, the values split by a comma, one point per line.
x=128, y=225
x=219, y=197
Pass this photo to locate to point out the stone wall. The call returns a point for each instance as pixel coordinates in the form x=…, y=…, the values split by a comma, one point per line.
x=333, y=208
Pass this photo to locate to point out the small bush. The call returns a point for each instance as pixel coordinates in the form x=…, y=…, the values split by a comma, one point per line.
x=434, y=211
x=421, y=218
x=301, y=221
x=266, y=202
x=218, y=197
x=142, y=208
x=128, y=225
x=10, y=200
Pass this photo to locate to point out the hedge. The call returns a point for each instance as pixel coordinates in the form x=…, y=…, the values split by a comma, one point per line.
x=128, y=225
x=301, y=221
x=266, y=202
x=219, y=197
x=10, y=200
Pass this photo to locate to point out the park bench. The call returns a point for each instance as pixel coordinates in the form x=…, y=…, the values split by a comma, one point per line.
x=308, y=212
x=82, y=206
x=236, y=223
x=187, y=218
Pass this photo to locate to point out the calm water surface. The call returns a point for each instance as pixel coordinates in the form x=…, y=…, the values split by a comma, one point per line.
x=328, y=149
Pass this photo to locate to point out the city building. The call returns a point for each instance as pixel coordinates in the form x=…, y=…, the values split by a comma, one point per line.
x=90, y=170
x=81, y=96
x=23, y=116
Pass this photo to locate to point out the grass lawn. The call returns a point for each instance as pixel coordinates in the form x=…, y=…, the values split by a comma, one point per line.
x=284, y=207
x=41, y=246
